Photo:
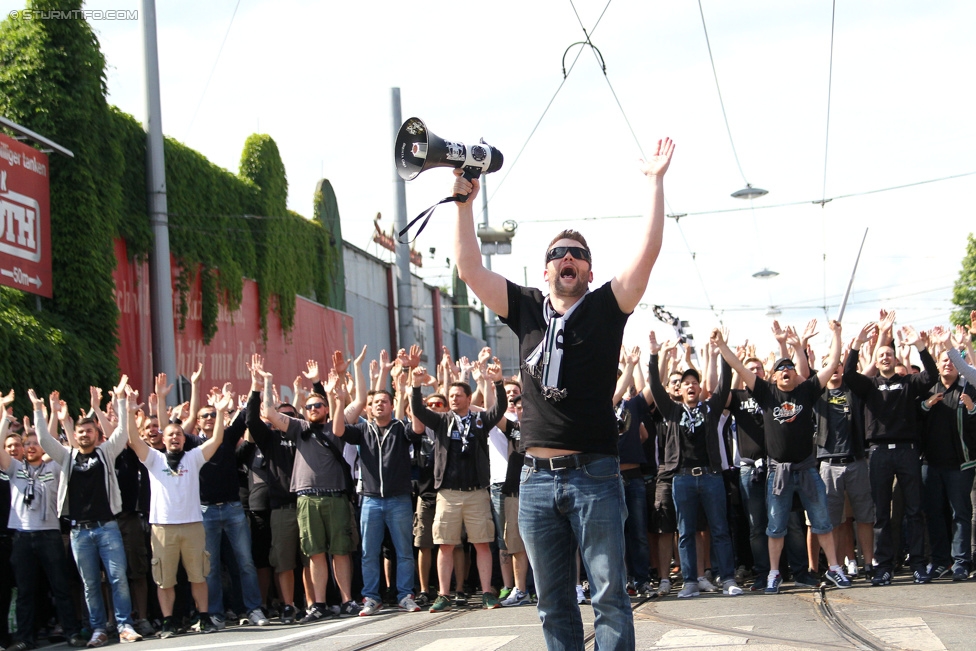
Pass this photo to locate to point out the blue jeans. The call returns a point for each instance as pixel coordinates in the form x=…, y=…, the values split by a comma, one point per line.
x=780, y=506
x=230, y=518
x=583, y=508
x=92, y=549
x=754, y=502
x=708, y=492
x=395, y=514
x=942, y=485
x=635, y=531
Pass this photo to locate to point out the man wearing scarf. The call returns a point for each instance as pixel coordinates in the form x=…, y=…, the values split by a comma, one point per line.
x=571, y=494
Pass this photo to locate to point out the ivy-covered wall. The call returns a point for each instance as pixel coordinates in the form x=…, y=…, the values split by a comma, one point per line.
x=223, y=226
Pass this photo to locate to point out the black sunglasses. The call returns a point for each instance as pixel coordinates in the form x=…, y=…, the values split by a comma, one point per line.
x=559, y=252
x=211, y=414
x=315, y=405
x=785, y=367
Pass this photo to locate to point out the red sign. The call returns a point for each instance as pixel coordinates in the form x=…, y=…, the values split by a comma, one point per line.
x=25, y=218
x=317, y=333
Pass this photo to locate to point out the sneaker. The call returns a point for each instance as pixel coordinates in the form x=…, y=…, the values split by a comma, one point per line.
x=98, y=638
x=921, y=576
x=257, y=618
x=960, y=574
x=128, y=634
x=731, y=588
x=144, y=628
x=881, y=578
x=580, y=597
x=773, y=583
x=664, y=589
x=313, y=614
x=690, y=589
x=852, y=569
x=167, y=629
x=77, y=640
x=370, y=607
x=460, y=599
x=631, y=589
x=504, y=592
x=441, y=605
x=408, y=605
x=350, y=609
x=646, y=589
x=741, y=574
x=288, y=614
x=759, y=585
x=422, y=600
x=218, y=622
x=941, y=572
x=489, y=601
x=335, y=609
x=706, y=585
x=806, y=579
x=837, y=578
x=516, y=598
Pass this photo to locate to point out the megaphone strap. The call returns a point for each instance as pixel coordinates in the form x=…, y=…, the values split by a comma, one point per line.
x=425, y=215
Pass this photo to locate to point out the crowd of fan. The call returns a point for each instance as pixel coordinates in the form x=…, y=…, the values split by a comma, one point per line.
x=336, y=502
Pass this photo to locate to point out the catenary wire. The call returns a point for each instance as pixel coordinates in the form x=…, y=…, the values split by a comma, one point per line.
x=823, y=191
x=719, y=89
x=213, y=69
x=544, y=111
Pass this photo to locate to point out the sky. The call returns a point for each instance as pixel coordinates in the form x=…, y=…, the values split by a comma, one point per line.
x=317, y=77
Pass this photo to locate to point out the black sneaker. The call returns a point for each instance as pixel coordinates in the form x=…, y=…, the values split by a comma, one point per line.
x=315, y=615
x=422, y=599
x=460, y=600
x=881, y=578
x=167, y=629
x=940, y=572
x=350, y=609
x=288, y=615
x=921, y=577
x=960, y=574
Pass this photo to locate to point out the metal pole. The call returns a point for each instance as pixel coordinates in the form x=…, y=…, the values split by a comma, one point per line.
x=160, y=275
x=404, y=282
x=490, y=326
x=843, y=305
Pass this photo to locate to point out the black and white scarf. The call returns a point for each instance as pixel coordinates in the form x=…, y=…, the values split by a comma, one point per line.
x=545, y=362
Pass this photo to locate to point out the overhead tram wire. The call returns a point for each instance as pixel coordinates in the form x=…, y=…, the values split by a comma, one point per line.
x=212, y=70
x=544, y=111
x=823, y=193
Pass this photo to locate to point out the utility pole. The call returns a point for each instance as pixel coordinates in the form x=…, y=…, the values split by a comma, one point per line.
x=160, y=275
x=404, y=280
x=489, y=315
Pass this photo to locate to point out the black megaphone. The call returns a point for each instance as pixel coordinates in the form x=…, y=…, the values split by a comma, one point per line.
x=418, y=149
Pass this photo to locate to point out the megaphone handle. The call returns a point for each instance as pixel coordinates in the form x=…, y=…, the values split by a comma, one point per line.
x=470, y=173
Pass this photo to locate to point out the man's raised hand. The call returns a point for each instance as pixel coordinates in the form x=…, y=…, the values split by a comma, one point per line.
x=652, y=346
x=660, y=160
x=312, y=374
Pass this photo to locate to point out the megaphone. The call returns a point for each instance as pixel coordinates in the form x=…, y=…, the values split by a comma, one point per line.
x=418, y=149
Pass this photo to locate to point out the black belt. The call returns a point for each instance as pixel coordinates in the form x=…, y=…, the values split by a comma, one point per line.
x=563, y=462
x=893, y=445
x=89, y=524
x=317, y=492
x=839, y=461
x=695, y=472
x=465, y=490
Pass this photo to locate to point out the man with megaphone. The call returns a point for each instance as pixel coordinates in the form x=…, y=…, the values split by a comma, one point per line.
x=569, y=341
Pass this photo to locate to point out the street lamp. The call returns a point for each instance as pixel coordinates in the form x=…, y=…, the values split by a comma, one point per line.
x=749, y=192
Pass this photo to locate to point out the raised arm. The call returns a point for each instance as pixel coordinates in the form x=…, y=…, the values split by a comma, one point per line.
x=630, y=360
x=278, y=421
x=487, y=285
x=835, y=345
x=51, y=446
x=658, y=393
x=718, y=339
x=209, y=447
x=859, y=383
x=4, y=426
x=354, y=408
x=630, y=282
x=131, y=408
x=190, y=425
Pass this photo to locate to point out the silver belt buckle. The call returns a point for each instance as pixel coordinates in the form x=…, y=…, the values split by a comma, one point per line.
x=697, y=472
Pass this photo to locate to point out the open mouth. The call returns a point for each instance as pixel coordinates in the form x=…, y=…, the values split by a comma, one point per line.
x=568, y=272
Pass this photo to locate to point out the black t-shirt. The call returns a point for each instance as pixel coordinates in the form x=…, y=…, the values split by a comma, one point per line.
x=461, y=471
x=4, y=503
x=87, y=496
x=692, y=437
x=788, y=418
x=424, y=462
x=749, y=425
x=133, y=478
x=838, y=410
x=516, y=460
x=629, y=443
x=584, y=419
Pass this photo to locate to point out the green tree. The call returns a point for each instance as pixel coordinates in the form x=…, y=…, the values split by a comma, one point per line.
x=964, y=291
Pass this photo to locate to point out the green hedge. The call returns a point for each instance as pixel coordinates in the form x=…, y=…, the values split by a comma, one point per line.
x=222, y=226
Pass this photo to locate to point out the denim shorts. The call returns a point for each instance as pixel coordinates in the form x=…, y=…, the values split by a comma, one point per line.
x=779, y=506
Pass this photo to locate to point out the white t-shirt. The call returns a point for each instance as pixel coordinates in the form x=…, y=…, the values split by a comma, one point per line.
x=498, y=452
x=175, y=495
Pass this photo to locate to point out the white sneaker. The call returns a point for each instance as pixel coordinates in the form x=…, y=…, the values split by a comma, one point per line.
x=407, y=604
x=580, y=597
x=690, y=589
x=517, y=598
x=705, y=585
x=371, y=607
x=664, y=589
x=257, y=618
x=731, y=588
x=851, y=569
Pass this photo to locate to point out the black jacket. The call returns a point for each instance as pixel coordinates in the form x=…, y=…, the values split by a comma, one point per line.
x=948, y=429
x=441, y=424
x=279, y=454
